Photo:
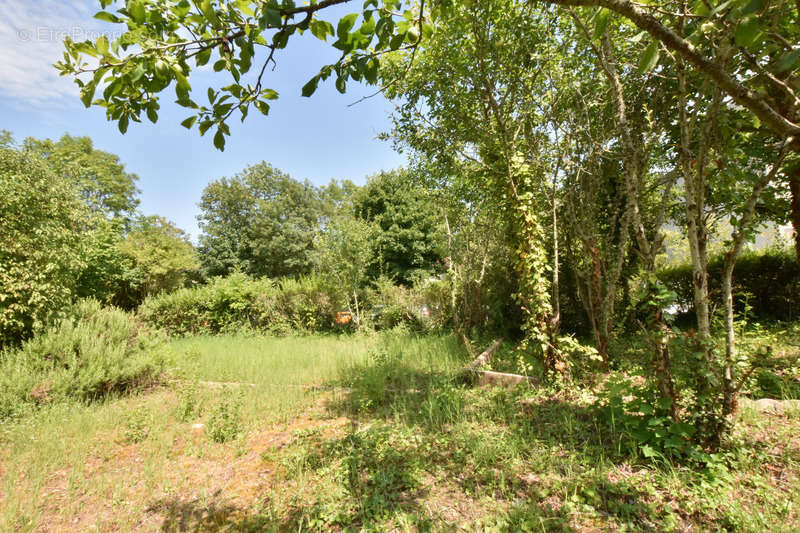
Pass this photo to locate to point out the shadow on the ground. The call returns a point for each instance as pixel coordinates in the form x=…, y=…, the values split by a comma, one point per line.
x=551, y=458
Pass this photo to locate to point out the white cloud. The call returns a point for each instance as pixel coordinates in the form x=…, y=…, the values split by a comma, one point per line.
x=31, y=35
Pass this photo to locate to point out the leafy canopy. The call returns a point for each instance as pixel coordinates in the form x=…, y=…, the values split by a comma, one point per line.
x=165, y=40
x=260, y=222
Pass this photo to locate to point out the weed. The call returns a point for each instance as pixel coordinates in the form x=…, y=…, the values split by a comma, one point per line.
x=138, y=426
x=224, y=420
x=189, y=402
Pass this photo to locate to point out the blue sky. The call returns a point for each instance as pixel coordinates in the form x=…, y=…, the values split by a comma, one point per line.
x=318, y=138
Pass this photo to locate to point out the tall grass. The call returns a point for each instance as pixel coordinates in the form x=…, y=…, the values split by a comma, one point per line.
x=275, y=375
x=56, y=447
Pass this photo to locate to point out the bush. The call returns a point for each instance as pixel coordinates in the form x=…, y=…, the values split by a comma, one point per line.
x=769, y=281
x=239, y=303
x=87, y=356
x=395, y=305
x=42, y=220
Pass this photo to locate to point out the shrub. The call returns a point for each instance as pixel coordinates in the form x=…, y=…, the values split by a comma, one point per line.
x=769, y=280
x=42, y=220
x=238, y=302
x=86, y=356
x=396, y=305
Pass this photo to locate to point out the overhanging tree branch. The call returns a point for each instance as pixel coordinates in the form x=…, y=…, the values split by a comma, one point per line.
x=741, y=94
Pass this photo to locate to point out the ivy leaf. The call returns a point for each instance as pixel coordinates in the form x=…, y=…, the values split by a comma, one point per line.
x=649, y=58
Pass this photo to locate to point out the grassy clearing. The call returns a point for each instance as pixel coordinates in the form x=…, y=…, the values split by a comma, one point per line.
x=388, y=437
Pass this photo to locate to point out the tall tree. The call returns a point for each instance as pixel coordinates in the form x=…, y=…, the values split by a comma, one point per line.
x=409, y=240
x=343, y=254
x=761, y=74
x=42, y=220
x=260, y=222
x=161, y=256
x=100, y=176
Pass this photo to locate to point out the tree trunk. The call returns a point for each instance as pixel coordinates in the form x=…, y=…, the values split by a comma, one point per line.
x=794, y=188
x=556, y=321
x=358, y=314
x=728, y=386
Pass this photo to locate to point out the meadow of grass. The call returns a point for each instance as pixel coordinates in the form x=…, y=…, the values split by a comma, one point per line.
x=381, y=432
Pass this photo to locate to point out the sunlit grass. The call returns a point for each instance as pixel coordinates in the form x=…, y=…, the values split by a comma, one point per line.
x=381, y=432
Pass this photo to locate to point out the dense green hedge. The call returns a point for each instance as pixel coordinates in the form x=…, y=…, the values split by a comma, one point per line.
x=769, y=281
x=240, y=303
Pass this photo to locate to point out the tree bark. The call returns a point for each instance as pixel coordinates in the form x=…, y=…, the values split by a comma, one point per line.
x=794, y=189
x=745, y=223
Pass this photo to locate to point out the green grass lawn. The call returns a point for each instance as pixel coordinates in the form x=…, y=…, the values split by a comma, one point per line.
x=370, y=433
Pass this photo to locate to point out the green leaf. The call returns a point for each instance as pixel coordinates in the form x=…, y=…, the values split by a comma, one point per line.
x=189, y=122
x=788, y=61
x=649, y=58
x=102, y=44
x=209, y=13
x=137, y=73
x=87, y=93
x=648, y=451
x=272, y=18
x=269, y=94
x=152, y=114
x=700, y=8
x=205, y=125
x=638, y=37
x=203, y=57
x=747, y=32
x=107, y=17
x=321, y=29
x=341, y=84
x=137, y=11
x=123, y=124
x=346, y=24
x=601, y=23
x=262, y=106
x=720, y=8
x=753, y=7
x=219, y=140
x=310, y=87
